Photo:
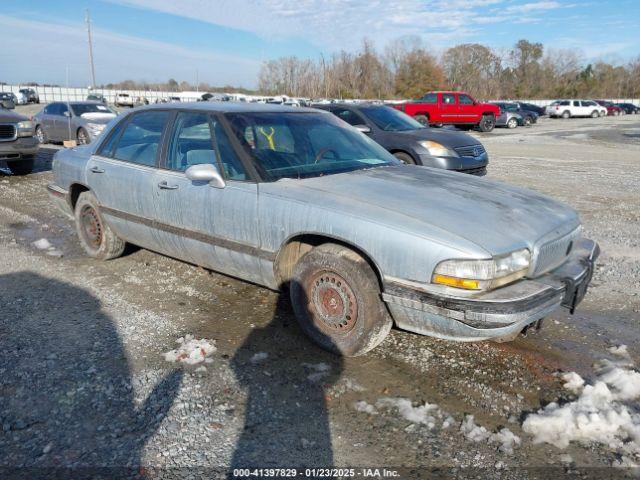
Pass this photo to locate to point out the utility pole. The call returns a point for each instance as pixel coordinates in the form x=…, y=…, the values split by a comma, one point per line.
x=93, y=70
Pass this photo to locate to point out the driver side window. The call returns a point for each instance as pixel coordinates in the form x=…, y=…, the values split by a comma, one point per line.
x=348, y=116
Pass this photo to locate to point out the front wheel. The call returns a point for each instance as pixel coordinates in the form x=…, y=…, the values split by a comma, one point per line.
x=423, y=119
x=594, y=114
x=487, y=123
x=40, y=135
x=96, y=237
x=404, y=158
x=336, y=298
x=528, y=121
x=566, y=114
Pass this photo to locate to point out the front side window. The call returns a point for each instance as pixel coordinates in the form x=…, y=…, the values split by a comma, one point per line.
x=448, y=99
x=348, y=116
x=465, y=100
x=141, y=138
x=391, y=120
x=302, y=145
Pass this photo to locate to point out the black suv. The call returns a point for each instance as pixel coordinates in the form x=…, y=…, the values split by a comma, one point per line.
x=18, y=145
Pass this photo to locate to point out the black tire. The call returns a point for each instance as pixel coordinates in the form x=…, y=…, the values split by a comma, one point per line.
x=96, y=237
x=21, y=167
x=82, y=137
x=528, y=121
x=405, y=158
x=336, y=298
x=40, y=135
x=512, y=123
x=423, y=119
x=487, y=123
x=464, y=127
x=594, y=114
x=566, y=114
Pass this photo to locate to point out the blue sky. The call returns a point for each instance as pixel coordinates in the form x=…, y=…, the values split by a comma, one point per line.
x=225, y=41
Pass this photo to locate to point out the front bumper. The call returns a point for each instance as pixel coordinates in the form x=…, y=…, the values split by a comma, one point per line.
x=19, y=148
x=473, y=165
x=500, y=313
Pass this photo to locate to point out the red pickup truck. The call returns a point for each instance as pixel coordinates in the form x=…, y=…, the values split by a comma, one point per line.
x=453, y=108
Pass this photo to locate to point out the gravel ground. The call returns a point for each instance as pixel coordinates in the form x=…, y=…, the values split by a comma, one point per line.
x=85, y=385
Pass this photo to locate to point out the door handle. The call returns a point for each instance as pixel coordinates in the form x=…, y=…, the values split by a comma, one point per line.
x=96, y=170
x=165, y=186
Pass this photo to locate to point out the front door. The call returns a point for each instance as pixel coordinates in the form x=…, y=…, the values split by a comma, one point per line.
x=121, y=176
x=196, y=222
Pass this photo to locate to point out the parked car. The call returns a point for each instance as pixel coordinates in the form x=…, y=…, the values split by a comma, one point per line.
x=8, y=100
x=124, y=100
x=629, y=108
x=522, y=117
x=612, y=110
x=452, y=108
x=18, y=144
x=80, y=121
x=30, y=95
x=532, y=108
x=576, y=108
x=293, y=196
x=96, y=97
x=411, y=142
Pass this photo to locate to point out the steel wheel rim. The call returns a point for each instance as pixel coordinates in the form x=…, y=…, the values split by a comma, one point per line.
x=91, y=227
x=333, y=303
x=40, y=135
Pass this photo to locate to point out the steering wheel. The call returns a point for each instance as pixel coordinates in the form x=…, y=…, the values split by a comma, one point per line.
x=323, y=152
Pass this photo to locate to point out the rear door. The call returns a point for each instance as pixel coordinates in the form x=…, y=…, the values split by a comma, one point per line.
x=199, y=223
x=121, y=176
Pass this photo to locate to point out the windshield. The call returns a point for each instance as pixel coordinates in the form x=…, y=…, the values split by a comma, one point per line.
x=80, y=108
x=390, y=119
x=303, y=145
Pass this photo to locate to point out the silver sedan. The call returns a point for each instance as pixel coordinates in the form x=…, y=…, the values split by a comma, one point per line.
x=79, y=121
x=291, y=196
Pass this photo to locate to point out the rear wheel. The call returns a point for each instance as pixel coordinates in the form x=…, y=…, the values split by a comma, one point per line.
x=96, y=237
x=336, y=298
x=512, y=123
x=404, y=158
x=487, y=123
x=82, y=137
x=21, y=167
x=594, y=114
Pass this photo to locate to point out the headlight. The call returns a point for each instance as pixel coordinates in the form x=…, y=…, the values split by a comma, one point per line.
x=25, y=129
x=436, y=149
x=483, y=274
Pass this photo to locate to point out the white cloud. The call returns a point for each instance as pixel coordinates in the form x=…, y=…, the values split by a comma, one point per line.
x=50, y=48
x=534, y=6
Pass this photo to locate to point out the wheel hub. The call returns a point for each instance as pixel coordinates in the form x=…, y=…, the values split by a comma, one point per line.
x=334, y=302
x=91, y=227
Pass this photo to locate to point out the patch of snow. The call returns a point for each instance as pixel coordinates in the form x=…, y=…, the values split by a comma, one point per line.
x=191, y=351
x=476, y=433
x=606, y=412
x=420, y=414
x=620, y=350
x=365, y=407
x=42, y=244
x=259, y=357
x=574, y=382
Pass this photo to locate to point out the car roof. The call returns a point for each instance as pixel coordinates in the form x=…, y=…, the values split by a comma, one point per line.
x=228, y=107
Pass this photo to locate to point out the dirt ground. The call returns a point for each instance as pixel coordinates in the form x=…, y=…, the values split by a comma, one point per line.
x=85, y=383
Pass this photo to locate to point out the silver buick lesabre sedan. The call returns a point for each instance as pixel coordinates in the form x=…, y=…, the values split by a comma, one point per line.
x=295, y=197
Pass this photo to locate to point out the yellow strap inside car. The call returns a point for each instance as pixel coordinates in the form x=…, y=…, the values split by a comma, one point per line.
x=269, y=136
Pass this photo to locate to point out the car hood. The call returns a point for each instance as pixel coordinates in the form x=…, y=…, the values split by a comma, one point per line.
x=9, y=116
x=98, y=117
x=448, y=138
x=495, y=216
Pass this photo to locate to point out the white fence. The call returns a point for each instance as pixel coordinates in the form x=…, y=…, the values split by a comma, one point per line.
x=57, y=94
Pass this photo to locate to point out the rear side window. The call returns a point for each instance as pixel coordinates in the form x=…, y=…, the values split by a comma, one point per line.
x=565, y=103
x=430, y=98
x=141, y=138
x=448, y=99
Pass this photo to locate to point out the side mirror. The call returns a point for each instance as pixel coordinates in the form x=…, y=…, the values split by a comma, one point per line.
x=363, y=128
x=205, y=172
x=67, y=113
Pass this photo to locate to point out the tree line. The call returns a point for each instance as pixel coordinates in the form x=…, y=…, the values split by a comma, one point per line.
x=407, y=69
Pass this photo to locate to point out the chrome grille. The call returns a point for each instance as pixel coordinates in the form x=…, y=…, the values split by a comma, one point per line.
x=7, y=132
x=470, y=150
x=553, y=253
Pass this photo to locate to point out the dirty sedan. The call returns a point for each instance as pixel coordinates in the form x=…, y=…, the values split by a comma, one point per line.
x=295, y=197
